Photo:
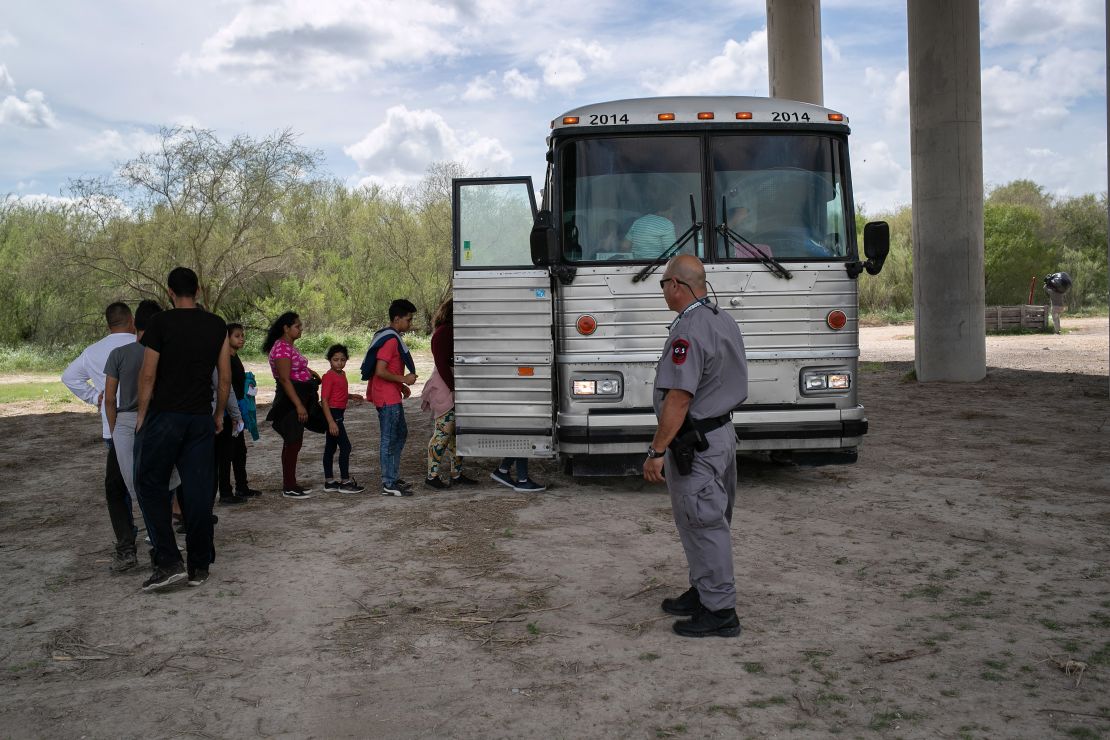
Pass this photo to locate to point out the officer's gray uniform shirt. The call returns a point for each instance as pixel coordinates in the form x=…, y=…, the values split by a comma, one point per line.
x=704, y=356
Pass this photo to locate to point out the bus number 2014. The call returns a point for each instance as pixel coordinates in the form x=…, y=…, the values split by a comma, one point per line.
x=602, y=119
x=788, y=116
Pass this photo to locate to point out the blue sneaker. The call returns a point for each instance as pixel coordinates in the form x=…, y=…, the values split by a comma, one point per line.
x=528, y=486
x=502, y=478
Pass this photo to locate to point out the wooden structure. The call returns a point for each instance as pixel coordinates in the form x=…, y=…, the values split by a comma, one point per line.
x=1001, y=318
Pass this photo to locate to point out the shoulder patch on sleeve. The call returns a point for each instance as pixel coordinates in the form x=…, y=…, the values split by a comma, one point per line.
x=679, y=349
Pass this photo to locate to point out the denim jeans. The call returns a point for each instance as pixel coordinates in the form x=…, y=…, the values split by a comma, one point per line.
x=521, y=466
x=394, y=432
x=186, y=441
x=343, y=443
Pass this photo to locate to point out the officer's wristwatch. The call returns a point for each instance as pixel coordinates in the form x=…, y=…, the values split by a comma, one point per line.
x=653, y=453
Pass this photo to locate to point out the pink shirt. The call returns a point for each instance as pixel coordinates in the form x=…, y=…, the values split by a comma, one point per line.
x=283, y=350
x=333, y=391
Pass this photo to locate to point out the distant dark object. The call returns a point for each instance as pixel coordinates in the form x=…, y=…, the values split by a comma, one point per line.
x=1057, y=282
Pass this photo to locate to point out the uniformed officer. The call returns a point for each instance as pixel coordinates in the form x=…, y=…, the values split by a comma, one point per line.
x=701, y=377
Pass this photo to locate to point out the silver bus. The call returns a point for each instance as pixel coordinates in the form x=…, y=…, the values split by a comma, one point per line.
x=558, y=316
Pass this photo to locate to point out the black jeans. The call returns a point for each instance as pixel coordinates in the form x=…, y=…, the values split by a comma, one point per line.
x=343, y=442
x=231, y=454
x=187, y=441
x=119, y=504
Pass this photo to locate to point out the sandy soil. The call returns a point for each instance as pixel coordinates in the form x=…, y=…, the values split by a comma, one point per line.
x=927, y=591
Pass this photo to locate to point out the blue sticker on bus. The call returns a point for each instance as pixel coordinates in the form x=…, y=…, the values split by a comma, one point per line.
x=541, y=293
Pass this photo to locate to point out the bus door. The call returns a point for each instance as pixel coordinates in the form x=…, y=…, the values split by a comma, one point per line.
x=504, y=348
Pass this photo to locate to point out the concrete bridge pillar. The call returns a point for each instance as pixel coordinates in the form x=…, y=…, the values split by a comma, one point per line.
x=794, y=50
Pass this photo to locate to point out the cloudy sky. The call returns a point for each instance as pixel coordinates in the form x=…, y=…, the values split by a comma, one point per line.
x=383, y=87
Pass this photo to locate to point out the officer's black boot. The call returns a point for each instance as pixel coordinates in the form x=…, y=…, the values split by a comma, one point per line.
x=706, y=623
x=686, y=605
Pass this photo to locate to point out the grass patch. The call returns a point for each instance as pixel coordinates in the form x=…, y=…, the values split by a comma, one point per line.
x=753, y=667
x=949, y=693
x=30, y=358
x=1101, y=656
x=992, y=676
x=980, y=598
x=1050, y=624
x=890, y=720
x=649, y=656
x=52, y=392
x=927, y=591
x=885, y=316
x=670, y=731
x=771, y=701
x=533, y=628
x=871, y=367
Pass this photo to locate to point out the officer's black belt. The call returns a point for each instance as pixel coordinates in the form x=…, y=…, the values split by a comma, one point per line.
x=705, y=426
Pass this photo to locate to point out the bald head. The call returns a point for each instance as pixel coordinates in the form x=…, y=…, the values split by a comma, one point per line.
x=688, y=269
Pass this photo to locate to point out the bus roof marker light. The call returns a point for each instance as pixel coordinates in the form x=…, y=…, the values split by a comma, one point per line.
x=744, y=116
x=570, y=120
x=666, y=116
x=705, y=116
x=839, y=117
x=586, y=325
x=836, y=320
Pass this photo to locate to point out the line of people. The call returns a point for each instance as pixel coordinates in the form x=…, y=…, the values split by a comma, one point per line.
x=176, y=403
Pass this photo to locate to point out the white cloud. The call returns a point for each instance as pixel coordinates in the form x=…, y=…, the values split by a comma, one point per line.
x=114, y=145
x=563, y=66
x=878, y=174
x=30, y=111
x=399, y=150
x=1039, y=21
x=740, y=68
x=480, y=88
x=890, y=91
x=832, y=49
x=1041, y=90
x=7, y=39
x=520, y=85
x=329, y=43
x=7, y=84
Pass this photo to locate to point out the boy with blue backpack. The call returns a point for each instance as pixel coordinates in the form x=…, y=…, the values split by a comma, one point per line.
x=388, y=385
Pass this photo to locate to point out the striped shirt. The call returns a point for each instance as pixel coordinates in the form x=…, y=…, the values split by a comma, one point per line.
x=650, y=235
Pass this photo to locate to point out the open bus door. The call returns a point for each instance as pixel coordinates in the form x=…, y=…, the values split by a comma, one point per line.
x=504, y=348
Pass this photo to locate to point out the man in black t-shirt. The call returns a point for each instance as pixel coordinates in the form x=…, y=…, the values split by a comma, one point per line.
x=176, y=427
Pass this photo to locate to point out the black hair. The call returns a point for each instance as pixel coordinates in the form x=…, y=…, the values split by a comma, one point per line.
x=117, y=315
x=400, y=307
x=233, y=327
x=277, y=329
x=144, y=312
x=336, y=349
x=183, y=282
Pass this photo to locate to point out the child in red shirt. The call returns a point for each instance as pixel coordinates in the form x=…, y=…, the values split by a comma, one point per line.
x=385, y=366
x=333, y=398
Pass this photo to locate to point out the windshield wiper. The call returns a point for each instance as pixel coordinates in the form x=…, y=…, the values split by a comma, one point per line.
x=671, y=251
x=731, y=237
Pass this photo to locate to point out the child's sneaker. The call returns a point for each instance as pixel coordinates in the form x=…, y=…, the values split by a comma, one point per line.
x=528, y=486
x=436, y=483
x=463, y=480
x=331, y=486
x=295, y=492
x=503, y=478
x=351, y=486
x=404, y=483
x=395, y=489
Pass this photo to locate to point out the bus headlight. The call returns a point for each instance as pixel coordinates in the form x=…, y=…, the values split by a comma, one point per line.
x=817, y=381
x=599, y=386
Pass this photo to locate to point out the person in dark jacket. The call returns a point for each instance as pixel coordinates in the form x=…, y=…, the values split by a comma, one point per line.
x=439, y=399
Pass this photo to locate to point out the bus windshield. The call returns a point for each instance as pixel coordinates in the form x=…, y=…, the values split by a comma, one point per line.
x=628, y=197
x=784, y=194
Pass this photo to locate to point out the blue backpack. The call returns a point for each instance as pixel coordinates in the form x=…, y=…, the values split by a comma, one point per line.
x=381, y=336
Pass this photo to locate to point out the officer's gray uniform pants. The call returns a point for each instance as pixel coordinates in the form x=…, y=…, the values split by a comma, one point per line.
x=702, y=506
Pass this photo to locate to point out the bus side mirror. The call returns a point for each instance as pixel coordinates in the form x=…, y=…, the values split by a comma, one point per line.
x=545, y=245
x=876, y=245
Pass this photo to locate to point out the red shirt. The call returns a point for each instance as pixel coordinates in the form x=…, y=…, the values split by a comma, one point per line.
x=333, y=390
x=380, y=391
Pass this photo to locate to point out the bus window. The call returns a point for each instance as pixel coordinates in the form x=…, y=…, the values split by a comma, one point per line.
x=495, y=220
x=783, y=193
x=628, y=198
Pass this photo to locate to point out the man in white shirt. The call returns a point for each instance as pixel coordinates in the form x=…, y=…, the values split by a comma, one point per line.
x=85, y=377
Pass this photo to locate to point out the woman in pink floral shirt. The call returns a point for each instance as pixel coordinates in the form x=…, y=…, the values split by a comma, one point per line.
x=296, y=392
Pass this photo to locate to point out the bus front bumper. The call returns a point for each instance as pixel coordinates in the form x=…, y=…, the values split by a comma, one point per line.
x=757, y=429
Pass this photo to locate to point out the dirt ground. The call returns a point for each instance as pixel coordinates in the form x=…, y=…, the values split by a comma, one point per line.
x=934, y=589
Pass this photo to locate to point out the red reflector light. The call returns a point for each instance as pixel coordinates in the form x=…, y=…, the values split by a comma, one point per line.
x=836, y=320
x=705, y=116
x=744, y=116
x=666, y=116
x=570, y=120
x=526, y=372
x=836, y=116
x=586, y=325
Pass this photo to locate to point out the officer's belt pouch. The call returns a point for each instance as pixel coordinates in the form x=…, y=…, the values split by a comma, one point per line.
x=691, y=439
